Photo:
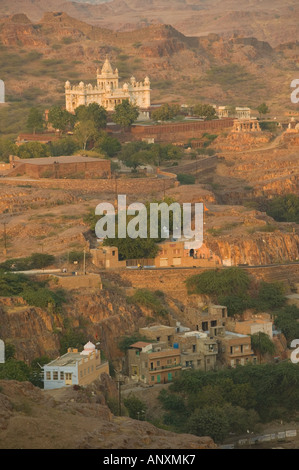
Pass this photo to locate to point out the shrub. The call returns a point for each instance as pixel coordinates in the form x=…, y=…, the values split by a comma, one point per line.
x=185, y=178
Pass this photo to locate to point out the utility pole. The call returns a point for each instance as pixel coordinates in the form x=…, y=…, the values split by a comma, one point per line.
x=84, y=262
x=4, y=238
x=119, y=384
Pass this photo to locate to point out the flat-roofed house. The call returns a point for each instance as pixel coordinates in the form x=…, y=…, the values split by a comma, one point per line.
x=75, y=368
x=61, y=167
x=153, y=363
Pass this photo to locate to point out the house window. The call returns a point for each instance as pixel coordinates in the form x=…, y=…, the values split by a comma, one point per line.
x=158, y=338
x=48, y=375
x=193, y=347
x=55, y=375
x=152, y=378
x=214, y=323
x=158, y=363
x=68, y=376
x=205, y=326
x=61, y=375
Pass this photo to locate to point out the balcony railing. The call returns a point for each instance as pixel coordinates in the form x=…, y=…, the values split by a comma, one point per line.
x=169, y=366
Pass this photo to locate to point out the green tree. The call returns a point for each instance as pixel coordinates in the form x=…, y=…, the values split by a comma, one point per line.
x=10, y=351
x=186, y=179
x=85, y=132
x=231, y=281
x=35, y=120
x=14, y=370
x=135, y=407
x=134, y=154
x=133, y=249
x=7, y=148
x=60, y=118
x=205, y=111
x=284, y=208
x=125, y=114
x=209, y=421
x=65, y=146
x=271, y=295
x=261, y=344
x=110, y=145
x=33, y=150
x=263, y=109
x=93, y=112
x=166, y=112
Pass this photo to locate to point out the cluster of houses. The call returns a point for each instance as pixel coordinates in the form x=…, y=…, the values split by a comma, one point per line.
x=170, y=349
x=166, y=351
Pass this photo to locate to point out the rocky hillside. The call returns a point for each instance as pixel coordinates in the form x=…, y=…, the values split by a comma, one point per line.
x=29, y=417
x=272, y=21
x=232, y=70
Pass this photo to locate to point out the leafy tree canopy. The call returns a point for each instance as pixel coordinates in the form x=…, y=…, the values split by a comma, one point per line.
x=93, y=112
x=35, y=120
x=125, y=114
x=205, y=110
x=166, y=112
x=60, y=118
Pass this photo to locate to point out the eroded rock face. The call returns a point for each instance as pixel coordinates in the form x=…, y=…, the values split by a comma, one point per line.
x=35, y=331
x=30, y=329
x=257, y=249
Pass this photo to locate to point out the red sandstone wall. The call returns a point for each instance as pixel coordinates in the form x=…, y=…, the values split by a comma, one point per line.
x=179, y=131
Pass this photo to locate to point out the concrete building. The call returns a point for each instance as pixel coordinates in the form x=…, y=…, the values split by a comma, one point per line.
x=75, y=368
x=153, y=363
x=159, y=333
x=235, y=349
x=255, y=325
x=205, y=319
x=171, y=254
x=61, y=167
x=107, y=92
x=198, y=350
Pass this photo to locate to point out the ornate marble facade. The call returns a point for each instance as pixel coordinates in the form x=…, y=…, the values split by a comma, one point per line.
x=107, y=92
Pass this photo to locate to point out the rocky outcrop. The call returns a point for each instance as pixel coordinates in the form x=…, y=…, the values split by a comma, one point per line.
x=29, y=417
x=30, y=329
x=35, y=332
x=257, y=248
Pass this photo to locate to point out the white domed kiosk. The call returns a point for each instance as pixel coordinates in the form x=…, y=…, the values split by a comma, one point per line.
x=88, y=349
